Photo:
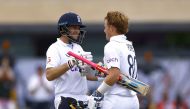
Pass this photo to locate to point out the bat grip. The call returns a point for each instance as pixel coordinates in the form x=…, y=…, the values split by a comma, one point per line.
x=102, y=69
x=82, y=59
x=94, y=65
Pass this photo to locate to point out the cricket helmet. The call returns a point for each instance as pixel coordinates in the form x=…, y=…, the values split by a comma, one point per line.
x=71, y=19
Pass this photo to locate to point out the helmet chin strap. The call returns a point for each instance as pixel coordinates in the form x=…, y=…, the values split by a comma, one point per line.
x=71, y=39
x=67, y=34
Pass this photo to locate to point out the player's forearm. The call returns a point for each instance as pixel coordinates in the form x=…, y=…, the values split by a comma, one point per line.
x=55, y=72
x=109, y=81
x=113, y=76
x=91, y=77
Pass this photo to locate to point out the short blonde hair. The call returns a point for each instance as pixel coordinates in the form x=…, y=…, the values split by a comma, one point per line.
x=118, y=20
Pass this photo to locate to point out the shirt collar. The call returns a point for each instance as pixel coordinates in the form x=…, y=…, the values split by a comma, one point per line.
x=63, y=43
x=118, y=38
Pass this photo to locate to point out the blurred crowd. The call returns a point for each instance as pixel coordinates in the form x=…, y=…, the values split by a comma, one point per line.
x=17, y=92
x=167, y=77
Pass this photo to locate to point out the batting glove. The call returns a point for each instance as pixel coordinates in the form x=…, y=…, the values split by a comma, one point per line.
x=95, y=100
x=85, y=69
x=72, y=62
x=98, y=73
x=86, y=55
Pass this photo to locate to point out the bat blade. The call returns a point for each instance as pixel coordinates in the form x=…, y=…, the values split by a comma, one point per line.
x=130, y=83
x=135, y=85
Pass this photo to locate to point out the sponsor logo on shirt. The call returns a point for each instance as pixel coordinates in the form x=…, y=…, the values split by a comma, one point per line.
x=75, y=69
x=112, y=60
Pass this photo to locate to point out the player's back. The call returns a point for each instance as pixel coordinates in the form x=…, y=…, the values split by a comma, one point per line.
x=128, y=62
x=122, y=55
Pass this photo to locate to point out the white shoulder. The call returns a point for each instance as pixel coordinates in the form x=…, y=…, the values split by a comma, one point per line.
x=52, y=48
x=129, y=42
x=110, y=47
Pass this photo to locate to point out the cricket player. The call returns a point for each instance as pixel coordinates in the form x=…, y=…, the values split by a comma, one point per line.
x=119, y=57
x=65, y=72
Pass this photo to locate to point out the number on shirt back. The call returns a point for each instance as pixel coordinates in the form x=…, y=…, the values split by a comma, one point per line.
x=132, y=66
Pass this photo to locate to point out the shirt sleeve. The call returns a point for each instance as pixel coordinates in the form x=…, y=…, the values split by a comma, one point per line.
x=52, y=57
x=111, y=57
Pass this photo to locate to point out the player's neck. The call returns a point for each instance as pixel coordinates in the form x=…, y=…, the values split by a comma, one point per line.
x=114, y=34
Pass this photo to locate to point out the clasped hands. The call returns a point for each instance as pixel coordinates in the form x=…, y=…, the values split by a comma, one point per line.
x=83, y=67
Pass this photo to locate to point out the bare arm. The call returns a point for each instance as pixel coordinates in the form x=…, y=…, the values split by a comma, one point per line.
x=91, y=77
x=110, y=80
x=55, y=72
x=113, y=76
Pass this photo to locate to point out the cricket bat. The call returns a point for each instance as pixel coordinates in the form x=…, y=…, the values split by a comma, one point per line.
x=125, y=81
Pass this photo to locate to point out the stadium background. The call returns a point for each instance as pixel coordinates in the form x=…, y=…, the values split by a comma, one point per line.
x=159, y=30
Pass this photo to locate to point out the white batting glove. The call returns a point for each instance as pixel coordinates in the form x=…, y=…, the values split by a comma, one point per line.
x=95, y=100
x=85, y=69
x=87, y=55
x=98, y=73
x=72, y=62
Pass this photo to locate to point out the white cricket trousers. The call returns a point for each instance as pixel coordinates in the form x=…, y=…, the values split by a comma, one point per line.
x=120, y=102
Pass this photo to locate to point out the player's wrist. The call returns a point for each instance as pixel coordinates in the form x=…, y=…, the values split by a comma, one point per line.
x=103, y=87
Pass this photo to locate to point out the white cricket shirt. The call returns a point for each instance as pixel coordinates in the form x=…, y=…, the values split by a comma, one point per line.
x=70, y=84
x=119, y=52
